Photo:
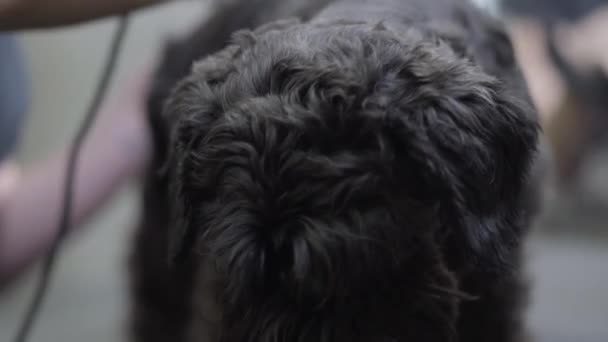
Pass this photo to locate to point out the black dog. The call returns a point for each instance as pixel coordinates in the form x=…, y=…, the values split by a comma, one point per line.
x=360, y=175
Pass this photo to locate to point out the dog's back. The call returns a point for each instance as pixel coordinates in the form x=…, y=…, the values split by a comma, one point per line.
x=165, y=296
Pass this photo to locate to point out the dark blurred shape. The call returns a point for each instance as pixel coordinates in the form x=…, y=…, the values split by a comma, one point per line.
x=14, y=93
x=552, y=10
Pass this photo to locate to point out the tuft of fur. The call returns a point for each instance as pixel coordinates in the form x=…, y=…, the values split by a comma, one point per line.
x=350, y=180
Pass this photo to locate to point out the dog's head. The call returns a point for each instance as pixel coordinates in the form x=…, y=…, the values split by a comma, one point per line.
x=321, y=168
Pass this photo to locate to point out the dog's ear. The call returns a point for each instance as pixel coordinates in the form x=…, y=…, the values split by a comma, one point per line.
x=184, y=110
x=192, y=109
x=503, y=123
x=496, y=149
x=474, y=144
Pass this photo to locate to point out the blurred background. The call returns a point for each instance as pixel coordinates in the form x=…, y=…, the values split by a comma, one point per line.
x=567, y=256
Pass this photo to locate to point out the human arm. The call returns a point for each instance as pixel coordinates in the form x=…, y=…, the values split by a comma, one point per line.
x=117, y=148
x=25, y=14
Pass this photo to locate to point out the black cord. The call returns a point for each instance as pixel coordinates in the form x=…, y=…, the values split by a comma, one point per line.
x=64, y=224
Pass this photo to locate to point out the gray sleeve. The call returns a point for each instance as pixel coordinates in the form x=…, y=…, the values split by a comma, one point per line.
x=14, y=94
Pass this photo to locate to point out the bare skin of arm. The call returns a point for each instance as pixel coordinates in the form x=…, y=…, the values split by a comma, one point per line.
x=27, y=14
x=116, y=150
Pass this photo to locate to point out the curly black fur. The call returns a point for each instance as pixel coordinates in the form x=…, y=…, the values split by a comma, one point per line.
x=361, y=176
